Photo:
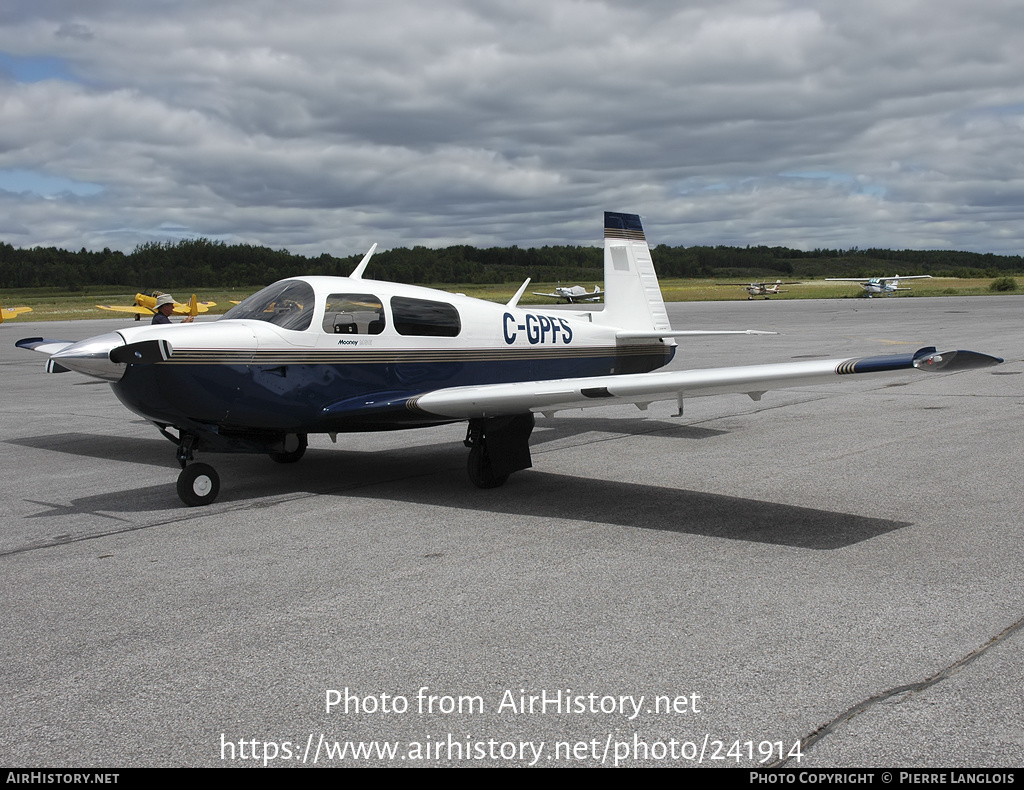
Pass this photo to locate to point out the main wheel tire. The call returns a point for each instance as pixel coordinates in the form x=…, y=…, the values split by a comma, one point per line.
x=198, y=484
x=297, y=443
x=480, y=473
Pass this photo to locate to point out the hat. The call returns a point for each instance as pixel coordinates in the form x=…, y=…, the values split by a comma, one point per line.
x=163, y=299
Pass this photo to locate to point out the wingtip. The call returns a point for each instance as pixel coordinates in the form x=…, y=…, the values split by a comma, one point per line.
x=952, y=361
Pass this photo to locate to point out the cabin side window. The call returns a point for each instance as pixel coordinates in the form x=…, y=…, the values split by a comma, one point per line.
x=354, y=314
x=425, y=318
x=287, y=304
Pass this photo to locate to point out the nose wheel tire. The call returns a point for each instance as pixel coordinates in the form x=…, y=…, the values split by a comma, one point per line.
x=198, y=484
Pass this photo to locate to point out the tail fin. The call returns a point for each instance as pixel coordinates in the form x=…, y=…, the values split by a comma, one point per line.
x=193, y=306
x=632, y=296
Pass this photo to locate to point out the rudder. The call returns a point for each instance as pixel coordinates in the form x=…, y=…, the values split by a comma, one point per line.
x=632, y=296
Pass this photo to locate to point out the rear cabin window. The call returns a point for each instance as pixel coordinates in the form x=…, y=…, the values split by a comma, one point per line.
x=354, y=314
x=424, y=318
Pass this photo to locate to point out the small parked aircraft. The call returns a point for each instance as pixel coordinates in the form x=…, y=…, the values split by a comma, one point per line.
x=762, y=289
x=879, y=285
x=7, y=313
x=574, y=293
x=145, y=304
x=343, y=354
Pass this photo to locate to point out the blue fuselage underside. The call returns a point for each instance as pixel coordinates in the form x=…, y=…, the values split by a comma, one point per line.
x=328, y=398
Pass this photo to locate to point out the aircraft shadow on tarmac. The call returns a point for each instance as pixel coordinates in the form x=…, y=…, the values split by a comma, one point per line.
x=155, y=451
x=434, y=475
x=547, y=495
x=551, y=430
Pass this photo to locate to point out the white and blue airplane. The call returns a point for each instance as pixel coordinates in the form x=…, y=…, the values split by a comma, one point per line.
x=346, y=354
x=879, y=285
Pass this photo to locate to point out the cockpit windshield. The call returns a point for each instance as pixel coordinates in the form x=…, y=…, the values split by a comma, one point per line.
x=287, y=304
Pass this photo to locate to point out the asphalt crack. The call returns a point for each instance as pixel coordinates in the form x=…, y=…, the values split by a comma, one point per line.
x=808, y=741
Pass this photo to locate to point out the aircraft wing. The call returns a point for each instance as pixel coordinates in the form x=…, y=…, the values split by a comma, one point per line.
x=179, y=308
x=12, y=312
x=880, y=279
x=630, y=334
x=553, y=296
x=126, y=309
x=494, y=400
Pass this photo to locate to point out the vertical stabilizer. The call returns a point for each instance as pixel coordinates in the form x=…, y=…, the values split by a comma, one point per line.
x=632, y=296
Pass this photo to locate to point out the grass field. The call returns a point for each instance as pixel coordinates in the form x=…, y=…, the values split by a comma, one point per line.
x=54, y=304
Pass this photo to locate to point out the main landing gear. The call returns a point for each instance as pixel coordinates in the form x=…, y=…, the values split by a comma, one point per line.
x=498, y=446
x=293, y=447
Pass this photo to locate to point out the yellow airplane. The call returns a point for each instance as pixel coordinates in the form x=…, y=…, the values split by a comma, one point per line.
x=145, y=304
x=7, y=313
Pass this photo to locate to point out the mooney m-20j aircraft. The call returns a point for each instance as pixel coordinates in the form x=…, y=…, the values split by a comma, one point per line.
x=343, y=354
x=879, y=285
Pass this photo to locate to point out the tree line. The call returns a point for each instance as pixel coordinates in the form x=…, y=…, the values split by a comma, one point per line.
x=202, y=263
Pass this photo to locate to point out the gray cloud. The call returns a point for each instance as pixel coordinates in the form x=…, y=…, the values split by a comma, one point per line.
x=331, y=125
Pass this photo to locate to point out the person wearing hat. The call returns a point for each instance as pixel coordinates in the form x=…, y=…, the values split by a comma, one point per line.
x=164, y=308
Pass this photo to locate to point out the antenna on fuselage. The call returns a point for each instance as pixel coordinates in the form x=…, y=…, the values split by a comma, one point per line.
x=515, y=299
x=357, y=273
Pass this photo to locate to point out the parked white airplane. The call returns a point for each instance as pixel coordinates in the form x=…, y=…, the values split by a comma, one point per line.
x=762, y=289
x=574, y=293
x=879, y=285
x=339, y=354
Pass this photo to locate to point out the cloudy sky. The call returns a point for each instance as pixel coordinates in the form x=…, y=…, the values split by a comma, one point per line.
x=327, y=125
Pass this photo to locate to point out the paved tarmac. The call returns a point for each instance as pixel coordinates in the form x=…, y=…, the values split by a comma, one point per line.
x=837, y=566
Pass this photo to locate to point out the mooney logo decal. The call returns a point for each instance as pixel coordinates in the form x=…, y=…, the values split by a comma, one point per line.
x=537, y=328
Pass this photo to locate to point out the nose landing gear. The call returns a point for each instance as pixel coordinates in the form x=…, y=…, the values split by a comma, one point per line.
x=198, y=484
